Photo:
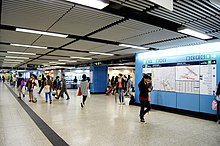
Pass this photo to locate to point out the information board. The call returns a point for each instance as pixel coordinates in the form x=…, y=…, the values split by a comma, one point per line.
x=198, y=77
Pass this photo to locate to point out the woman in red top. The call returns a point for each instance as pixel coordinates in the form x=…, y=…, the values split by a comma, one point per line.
x=145, y=88
x=121, y=87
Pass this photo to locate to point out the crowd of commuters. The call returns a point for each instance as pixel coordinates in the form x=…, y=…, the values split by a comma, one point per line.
x=120, y=85
x=36, y=85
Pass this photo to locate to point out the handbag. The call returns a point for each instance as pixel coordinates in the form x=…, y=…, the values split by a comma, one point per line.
x=214, y=105
x=47, y=89
x=79, y=93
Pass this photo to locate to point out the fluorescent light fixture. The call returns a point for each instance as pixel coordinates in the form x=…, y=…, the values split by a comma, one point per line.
x=98, y=4
x=68, y=60
x=99, y=53
x=41, y=32
x=132, y=46
x=28, y=46
x=23, y=53
x=11, y=62
x=57, y=62
x=85, y=58
x=16, y=57
x=194, y=33
x=15, y=60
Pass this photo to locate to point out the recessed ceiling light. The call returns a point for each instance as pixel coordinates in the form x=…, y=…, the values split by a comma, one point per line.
x=85, y=58
x=99, y=53
x=194, y=33
x=132, y=46
x=28, y=46
x=16, y=57
x=41, y=32
x=23, y=53
x=98, y=4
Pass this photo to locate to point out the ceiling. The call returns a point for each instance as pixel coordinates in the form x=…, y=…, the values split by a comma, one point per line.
x=136, y=22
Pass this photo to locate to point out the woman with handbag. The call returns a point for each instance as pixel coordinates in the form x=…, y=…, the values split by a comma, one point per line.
x=218, y=103
x=47, y=89
x=83, y=88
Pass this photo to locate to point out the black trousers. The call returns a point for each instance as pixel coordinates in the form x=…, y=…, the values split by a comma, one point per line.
x=143, y=111
x=63, y=90
x=84, y=99
x=41, y=88
x=218, y=110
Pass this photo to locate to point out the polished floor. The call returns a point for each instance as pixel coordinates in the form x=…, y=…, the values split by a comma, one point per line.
x=101, y=122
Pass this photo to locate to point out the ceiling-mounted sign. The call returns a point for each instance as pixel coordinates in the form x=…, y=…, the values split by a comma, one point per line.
x=168, y=4
x=35, y=66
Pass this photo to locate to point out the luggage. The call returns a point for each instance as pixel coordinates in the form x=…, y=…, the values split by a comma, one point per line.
x=108, y=92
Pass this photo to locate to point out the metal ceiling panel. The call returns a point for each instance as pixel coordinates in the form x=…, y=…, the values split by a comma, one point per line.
x=83, y=45
x=127, y=29
x=54, y=57
x=189, y=41
x=129, y=51
x=106, y=48
x=37, y=14
x=37, y=51
x=216, y=34
x=17, y=55
x=68, y=53
x=11, y=48
x=81, y=21
x=17, y=37
x=153, y=37
x=50, y=41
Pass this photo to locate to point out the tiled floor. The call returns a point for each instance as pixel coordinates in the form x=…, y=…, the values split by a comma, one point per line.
x=101, y=123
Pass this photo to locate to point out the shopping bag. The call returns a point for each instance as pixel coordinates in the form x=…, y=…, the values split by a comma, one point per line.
x=89, y=95
x=214, y=105
x=79, y=93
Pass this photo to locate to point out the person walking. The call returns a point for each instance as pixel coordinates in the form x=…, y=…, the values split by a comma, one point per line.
x=42, y=84
x=56, y=85
x=75, y=83
x=63, y=88
x=218, y=103
x=129, y=86
x=121, y=87
x=47, y=88
x=30, y=89
x=3, y=79
x=35, y=87
x=20, y=85
x=83, y=87
x=145, y=88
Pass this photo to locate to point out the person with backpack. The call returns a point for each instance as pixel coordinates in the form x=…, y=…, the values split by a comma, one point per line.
x=20, y=85
x=47, y=89
x=63, y=88
x=218, y=103
x=145, y=88
x=83, y=87
x=30, y=89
